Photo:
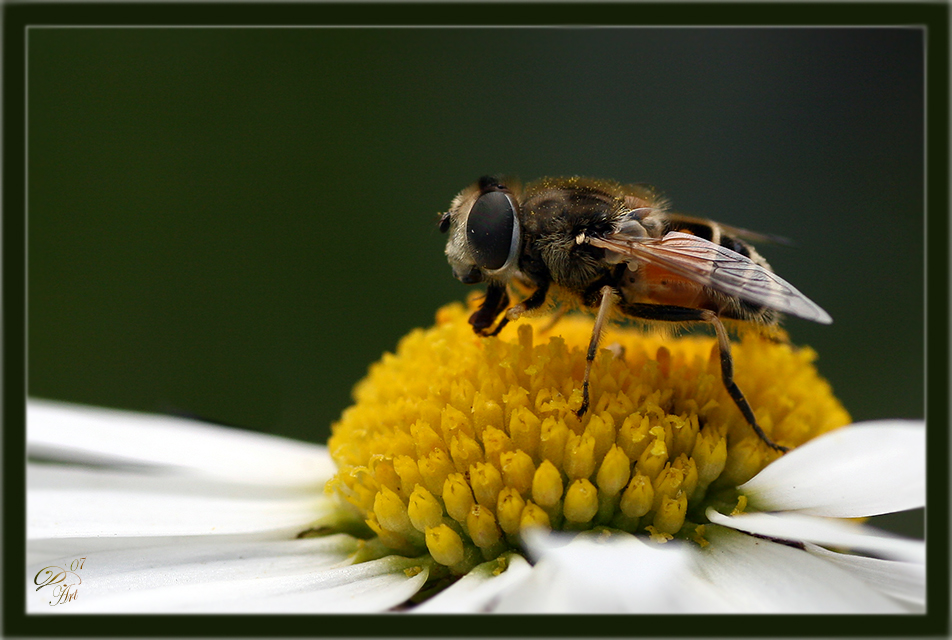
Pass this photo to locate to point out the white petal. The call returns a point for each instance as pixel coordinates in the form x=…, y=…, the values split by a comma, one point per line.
x=824, y=531
x=479, y=589
x=903, y=580
x=760, y=576
x=43, y=551
x=108, y=436
x=620, y=575
x=862, y=470
x=71, y=502
x=301, y=576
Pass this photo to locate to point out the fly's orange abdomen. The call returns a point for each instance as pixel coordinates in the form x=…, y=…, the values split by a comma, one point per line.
x=664, y=287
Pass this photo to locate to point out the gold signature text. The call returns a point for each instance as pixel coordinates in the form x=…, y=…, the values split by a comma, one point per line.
x=64, y=582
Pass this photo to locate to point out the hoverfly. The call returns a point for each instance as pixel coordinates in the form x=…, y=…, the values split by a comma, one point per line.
x=610, y=246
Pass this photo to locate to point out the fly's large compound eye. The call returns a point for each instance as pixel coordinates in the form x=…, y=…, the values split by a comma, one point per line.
x=492, y=230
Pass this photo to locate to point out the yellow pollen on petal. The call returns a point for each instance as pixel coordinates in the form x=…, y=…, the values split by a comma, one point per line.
x=698, y=536
x=457, y=444
x=658, y=536
x=741, y=505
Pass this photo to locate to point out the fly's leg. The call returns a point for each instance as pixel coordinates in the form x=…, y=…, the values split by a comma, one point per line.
x=671, y=313
x=534, y=301
x=493, y=304
x=608, y=297
x=727, y=373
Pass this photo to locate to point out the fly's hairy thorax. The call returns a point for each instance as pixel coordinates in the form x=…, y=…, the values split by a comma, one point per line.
x=553, y=217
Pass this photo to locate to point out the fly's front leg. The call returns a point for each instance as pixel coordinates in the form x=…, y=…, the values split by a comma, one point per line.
x=608, y=296
x=532, y=302
x=670, y=313
x=493, y=304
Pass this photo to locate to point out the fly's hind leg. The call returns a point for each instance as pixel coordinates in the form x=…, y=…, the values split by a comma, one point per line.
x=671, y=313
x=727, y=373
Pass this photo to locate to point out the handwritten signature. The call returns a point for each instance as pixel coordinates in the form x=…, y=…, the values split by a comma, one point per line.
x=65, y=582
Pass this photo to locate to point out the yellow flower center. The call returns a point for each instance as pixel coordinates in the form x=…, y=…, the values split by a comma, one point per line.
x=457, y=443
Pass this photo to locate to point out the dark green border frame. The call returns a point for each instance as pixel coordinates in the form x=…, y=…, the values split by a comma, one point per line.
x=933, y=17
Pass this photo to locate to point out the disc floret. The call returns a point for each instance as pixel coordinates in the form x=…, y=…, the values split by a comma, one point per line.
x=456, y=444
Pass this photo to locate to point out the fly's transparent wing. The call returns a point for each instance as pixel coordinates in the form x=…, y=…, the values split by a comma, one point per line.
x=718, y=267
x=737, y=232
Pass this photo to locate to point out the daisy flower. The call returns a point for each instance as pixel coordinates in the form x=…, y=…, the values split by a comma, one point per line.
x=461, y=480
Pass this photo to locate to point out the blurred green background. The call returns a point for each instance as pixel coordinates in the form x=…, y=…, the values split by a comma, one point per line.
x=235, y=223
